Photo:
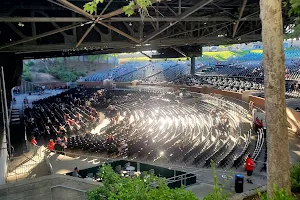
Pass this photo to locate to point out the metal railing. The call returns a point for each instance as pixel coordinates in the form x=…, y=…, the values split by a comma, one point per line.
x=67, y=187
x=22, y=171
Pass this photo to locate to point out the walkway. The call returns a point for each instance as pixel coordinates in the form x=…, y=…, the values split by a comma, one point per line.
x=17, y=123
x=62, y=164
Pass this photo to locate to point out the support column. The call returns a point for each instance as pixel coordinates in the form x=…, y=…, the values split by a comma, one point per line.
x=193, y=65
x=275, y=106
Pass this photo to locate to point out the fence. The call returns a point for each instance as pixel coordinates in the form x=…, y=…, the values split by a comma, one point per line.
x=26, y=87
x=34, y=157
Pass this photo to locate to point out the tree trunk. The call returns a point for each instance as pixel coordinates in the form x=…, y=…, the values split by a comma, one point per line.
x=275, y=107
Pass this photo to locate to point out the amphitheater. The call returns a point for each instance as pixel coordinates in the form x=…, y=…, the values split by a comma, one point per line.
x=157, y=94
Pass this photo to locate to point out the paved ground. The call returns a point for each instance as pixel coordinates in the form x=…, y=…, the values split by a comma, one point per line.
x=33, y=97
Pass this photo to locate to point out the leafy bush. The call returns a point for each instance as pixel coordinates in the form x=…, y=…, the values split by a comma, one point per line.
x=26, y=75
x=30, y=64
x=279, y=194
x=218, y=191
x=295, y=178
x=150, y=187
x=42, y=70
x=62, y=74
x=79, y=73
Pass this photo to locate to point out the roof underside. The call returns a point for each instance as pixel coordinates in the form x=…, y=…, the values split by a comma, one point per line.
x=56, y=25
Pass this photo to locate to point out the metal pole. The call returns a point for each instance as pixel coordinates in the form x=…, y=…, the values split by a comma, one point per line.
x=6, y=112
x=2, y=103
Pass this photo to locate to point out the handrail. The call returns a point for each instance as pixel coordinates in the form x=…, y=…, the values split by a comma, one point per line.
x=71, y=188
x=261, y=140
x=152, y=75
x=67, y=187
x=132, y=71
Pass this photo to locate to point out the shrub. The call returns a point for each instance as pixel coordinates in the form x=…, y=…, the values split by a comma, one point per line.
x=150, y=187
x=218, y=191
x=30, y=63
x=26, y=75
x=295, y=178
x=279, y=194
x=42, y=70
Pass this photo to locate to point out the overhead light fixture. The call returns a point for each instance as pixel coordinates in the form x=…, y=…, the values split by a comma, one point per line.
x=147, y=44
x=10, y=39
x=205, y=23
x=130, y=24
x=82, y=24
x=21, y=24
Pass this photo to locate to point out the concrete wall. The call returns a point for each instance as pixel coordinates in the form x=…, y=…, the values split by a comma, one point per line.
x=258, y=102
x=40, y=188
x=293, y=117
x=52, y=84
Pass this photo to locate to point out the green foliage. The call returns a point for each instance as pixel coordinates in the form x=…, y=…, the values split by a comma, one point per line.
x=42, y=70
x=295, y=178
x=30, y=64
x=279, y=194
x=295, y=7
x=91, y=7
x=26, y=75
x=218, y=191
x=60, y=60
x=63, y=74
x=93, y=57
x=151, y=187
x=129, y=10
x=294, y=10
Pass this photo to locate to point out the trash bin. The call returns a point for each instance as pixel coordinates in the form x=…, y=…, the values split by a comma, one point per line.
x=239, y=183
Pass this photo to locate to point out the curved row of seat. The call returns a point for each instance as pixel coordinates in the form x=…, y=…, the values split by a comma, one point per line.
x=183, y=132
x=150, y=126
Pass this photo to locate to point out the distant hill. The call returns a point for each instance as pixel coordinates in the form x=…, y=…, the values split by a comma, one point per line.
x=66, y=69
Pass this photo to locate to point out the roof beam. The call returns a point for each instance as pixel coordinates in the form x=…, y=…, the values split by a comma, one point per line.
x=19, y=33
x=93, y=25
x=217, y=30
x=192, y=30
x=187, y=13
x=74, y=8
x=179, y=51
x=240, y=17
x=121, y=19
x=40, y=36
x=128, y=46
x=118, y=31
x=145, y=54
x=85, y=34
x=224, y=10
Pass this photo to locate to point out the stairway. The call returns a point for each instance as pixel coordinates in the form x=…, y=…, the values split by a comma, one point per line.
x=15, y=116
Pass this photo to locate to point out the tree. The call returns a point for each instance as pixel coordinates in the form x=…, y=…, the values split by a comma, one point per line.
x=275, y=106
x=47, y=62
x=149, y=187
